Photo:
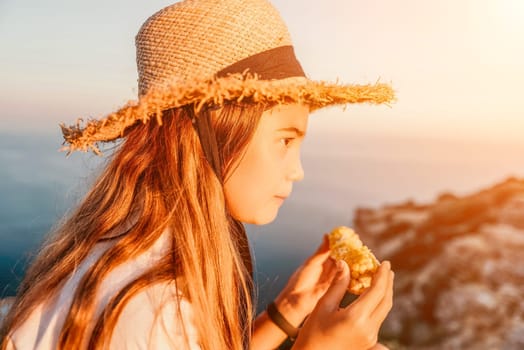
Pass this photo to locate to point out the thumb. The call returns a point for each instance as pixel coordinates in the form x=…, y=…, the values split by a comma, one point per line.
x=336, y=291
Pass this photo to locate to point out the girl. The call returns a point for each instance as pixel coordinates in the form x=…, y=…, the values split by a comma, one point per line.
x=156, y=255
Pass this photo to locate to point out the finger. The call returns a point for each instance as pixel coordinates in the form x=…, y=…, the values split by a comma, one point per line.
x=383, y=308
x=333, y=296
x=329, y=270
x=324, y=245
x=375, y=293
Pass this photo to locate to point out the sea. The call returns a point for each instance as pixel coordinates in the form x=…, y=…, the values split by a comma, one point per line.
x=344, y=170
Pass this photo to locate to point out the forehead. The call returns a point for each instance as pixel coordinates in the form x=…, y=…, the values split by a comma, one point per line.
x=284, y=116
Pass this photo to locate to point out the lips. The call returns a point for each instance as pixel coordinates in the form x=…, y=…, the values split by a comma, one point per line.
x=282, y=196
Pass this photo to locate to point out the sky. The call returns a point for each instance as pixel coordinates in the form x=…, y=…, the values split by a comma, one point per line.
x=456, y=65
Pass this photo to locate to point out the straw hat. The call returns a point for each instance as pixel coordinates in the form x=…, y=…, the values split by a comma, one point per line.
x=208, y=52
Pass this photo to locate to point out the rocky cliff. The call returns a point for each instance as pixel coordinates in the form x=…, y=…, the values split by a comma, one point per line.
x=459, y=268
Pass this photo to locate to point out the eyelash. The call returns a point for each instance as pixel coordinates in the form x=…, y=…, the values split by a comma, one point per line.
x=286, y=140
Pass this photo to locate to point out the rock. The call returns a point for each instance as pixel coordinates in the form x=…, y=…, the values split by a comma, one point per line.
x=459, y=268
x=515, y=338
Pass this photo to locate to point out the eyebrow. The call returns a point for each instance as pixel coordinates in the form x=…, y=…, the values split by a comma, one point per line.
x=299, y=132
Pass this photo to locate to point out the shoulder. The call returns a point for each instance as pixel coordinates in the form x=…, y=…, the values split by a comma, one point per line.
x=158, y=317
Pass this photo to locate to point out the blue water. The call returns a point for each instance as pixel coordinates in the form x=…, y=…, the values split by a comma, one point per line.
x=342, y=171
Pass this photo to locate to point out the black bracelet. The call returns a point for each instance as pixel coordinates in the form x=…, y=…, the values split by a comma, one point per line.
x=281, y=321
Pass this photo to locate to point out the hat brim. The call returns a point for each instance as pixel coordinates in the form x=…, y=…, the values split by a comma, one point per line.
x=245, y=88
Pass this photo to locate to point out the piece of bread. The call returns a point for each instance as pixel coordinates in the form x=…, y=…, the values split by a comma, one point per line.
x=345, y=244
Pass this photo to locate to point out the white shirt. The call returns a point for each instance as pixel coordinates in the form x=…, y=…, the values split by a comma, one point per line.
x=150, y=320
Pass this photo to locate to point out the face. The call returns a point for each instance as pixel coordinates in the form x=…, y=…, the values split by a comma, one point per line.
x=263, y=176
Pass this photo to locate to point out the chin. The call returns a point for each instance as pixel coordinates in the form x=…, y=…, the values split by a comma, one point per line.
x=261, y=219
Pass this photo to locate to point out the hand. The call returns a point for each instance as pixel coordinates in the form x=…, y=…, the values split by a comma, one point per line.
x=355, y=326
x=307, y=285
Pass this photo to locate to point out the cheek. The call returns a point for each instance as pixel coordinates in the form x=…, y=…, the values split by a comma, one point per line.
x=250, y=189
x=251, y=205
x=244, y=190
x=237, y=197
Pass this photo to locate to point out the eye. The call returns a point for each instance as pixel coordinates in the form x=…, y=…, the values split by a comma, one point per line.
x=286, y=140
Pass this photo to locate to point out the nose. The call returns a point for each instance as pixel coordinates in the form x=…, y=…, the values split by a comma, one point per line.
x=297, y=172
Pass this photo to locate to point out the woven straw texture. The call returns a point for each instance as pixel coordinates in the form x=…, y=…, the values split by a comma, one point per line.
x=196, y=39
x=181, y=48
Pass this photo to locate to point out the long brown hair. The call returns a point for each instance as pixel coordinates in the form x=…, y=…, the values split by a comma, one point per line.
x=161, y=173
